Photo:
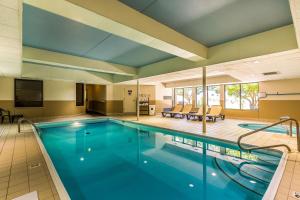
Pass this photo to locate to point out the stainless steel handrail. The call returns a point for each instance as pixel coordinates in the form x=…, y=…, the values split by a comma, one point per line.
x=25, y=120
x=270, y=146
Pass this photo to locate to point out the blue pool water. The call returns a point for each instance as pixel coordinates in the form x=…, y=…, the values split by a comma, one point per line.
x=274, y=129
x=111, y=159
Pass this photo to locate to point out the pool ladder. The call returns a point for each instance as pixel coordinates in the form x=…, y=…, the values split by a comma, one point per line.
x=291, y=120
x=28, y=121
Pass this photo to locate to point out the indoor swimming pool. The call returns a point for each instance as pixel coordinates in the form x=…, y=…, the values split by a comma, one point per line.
x=114, y=159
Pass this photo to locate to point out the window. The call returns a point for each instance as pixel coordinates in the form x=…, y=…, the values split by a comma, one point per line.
x=199, y=96
x=178, y=96
x=188, y=96
x=213, y=95
x=249, y=96
x=242, y=96
x=232, y=96
x=79, y=94
x=28, y=93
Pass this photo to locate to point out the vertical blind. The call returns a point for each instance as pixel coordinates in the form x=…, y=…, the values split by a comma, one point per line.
x=28, y=93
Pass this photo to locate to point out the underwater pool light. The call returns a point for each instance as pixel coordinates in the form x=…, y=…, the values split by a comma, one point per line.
x=76, y=124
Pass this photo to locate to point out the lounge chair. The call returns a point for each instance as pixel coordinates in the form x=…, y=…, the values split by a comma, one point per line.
x=5, y=114
x=186, y=110
x=176, y=109
x=214, y=113
x=196, y=115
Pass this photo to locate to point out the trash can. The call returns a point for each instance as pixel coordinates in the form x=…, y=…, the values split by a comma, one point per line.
x=151, y=109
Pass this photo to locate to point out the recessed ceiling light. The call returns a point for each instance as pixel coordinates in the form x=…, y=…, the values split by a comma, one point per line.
x=89, y=149
x=145, y=161
x=191, y=185
x=81, y=158
x=213, y=174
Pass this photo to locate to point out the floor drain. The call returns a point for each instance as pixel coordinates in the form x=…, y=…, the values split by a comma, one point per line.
x=34, y=165
x=296, y=195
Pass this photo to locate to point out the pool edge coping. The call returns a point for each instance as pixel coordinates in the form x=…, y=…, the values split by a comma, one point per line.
x=61, y=190
x=276, y=179
x=63, y=194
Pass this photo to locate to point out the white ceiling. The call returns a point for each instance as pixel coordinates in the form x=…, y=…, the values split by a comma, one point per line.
x=287, y=64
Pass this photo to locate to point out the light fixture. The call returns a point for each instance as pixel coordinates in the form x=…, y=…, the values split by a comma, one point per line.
x=213, y=174
x=89, y=149
x=145, y=161
x=191, y=185
x=252, y=181
x=81, y=158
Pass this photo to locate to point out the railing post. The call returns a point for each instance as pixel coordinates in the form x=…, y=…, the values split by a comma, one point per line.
x=270, y=146
x=291, y=128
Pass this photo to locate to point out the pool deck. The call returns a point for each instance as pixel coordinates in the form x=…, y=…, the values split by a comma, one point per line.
x=23, y=168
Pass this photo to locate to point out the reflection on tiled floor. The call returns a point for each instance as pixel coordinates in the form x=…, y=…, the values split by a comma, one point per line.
x=23, y=169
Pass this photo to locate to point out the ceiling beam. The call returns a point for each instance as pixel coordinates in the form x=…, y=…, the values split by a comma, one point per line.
x=44, y=72
x=114, y=17
x=295, y=10
x=50, y=58
x=222, y=79
x=269, y=42
x=10, y=38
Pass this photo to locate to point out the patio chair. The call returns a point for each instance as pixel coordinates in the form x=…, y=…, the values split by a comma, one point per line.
x=176, y=109
x=198, y=115
x=214, y=113
x=186, y=110
x=4, y=114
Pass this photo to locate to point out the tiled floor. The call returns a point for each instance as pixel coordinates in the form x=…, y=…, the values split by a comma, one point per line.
x=23, y=168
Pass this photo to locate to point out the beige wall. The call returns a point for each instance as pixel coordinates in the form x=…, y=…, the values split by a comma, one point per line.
x=275, y=106
x=59, y=90
x=6, y=89
x=59, y=99
x=116, y=94
x=160, y=102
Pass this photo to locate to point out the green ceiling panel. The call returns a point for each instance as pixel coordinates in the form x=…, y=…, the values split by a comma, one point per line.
x=213, y=22
x=45, y=30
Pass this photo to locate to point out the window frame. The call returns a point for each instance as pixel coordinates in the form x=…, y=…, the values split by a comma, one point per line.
x=42, y=93
x=174, y=98
x=184, y=94
x=208, y=96
x=240, y=97
x=257, y=93
x=196, y=98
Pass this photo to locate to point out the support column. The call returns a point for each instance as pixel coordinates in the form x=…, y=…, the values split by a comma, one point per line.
x=204, y=99
x=137, y=100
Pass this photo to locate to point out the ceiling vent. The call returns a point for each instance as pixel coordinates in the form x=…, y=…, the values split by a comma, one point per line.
x=270, y=73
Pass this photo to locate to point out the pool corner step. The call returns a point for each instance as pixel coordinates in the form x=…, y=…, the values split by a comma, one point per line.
x=248, y=181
